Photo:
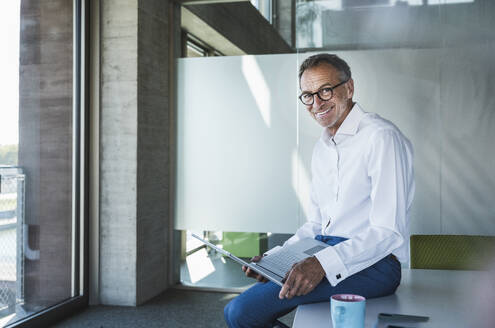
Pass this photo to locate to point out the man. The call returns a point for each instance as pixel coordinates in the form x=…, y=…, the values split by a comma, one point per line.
x=362, y=191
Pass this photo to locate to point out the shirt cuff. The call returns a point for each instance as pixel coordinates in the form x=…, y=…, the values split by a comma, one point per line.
x=333, y=266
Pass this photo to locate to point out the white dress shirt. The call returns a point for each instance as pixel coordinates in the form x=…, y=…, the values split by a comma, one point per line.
x=362, y=189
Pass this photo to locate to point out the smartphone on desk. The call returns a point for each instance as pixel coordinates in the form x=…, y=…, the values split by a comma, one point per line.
x=393, y=317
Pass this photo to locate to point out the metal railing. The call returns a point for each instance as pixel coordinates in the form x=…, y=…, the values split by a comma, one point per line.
x=12, y=184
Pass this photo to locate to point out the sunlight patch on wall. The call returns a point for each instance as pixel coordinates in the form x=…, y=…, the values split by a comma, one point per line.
x=258, y=86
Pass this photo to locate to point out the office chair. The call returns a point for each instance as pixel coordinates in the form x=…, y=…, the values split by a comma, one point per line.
x=452, y=252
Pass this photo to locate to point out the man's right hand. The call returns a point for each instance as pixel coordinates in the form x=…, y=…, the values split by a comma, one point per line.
x=253, y=274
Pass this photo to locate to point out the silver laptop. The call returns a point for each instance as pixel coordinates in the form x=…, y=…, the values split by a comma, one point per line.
x=277, y=261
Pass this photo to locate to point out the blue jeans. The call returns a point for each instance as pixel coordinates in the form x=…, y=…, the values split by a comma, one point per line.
x=259, y=306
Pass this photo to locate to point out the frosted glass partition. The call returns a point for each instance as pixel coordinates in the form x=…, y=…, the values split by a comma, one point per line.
x=237, y=137
x=245, y=143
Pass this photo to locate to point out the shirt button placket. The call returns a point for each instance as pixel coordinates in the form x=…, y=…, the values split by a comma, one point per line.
x=337, y=187
x=328, y=224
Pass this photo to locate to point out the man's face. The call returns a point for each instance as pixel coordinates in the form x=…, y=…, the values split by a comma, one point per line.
x=328, y=113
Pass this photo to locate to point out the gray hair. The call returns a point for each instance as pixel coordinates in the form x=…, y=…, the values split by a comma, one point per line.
x=331, y=59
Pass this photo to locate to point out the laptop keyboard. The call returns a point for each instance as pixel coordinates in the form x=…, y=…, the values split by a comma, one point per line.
x=280, y=262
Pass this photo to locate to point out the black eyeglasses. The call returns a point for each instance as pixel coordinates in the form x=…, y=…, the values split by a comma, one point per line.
x=325, y=93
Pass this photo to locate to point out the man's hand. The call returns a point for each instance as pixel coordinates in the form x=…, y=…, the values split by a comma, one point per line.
x=253, y=274
x=302, y=278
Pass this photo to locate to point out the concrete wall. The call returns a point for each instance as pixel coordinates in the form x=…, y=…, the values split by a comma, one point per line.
x=45, y=146
x=118, y=152
x=134, y=156
x=152, y=148
x=243, y=25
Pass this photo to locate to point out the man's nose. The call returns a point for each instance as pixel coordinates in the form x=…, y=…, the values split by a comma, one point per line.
x=317, y=102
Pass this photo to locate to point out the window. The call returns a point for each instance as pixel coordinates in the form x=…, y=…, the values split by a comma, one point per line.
x=42, y=162
x=194, y=47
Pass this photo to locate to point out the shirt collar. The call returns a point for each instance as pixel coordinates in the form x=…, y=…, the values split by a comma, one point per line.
x=349, y=126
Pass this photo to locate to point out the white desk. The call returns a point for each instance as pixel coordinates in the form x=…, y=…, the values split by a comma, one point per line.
x=438, y=294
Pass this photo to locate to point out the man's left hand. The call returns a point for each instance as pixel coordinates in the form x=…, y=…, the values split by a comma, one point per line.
x=302, y=278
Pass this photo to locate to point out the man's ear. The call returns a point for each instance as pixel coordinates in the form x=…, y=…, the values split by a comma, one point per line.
x=350, y=88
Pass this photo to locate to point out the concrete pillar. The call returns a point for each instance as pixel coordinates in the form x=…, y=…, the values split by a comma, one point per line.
x=45, y=148
x=134, y=150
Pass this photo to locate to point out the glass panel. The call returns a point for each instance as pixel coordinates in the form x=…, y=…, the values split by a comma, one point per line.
x=425, y=65
x=36, y=157
x=12, y=180
x=465, y=83
x=246, y=165
x=235, y=95
x=202, y=266
x=264, y=7
x=194, y=51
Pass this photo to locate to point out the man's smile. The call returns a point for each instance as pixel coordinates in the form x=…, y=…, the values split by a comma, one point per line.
x=320, y=114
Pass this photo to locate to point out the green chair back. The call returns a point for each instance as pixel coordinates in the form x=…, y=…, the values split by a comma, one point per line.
x=452, y=252
x=245, y=244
